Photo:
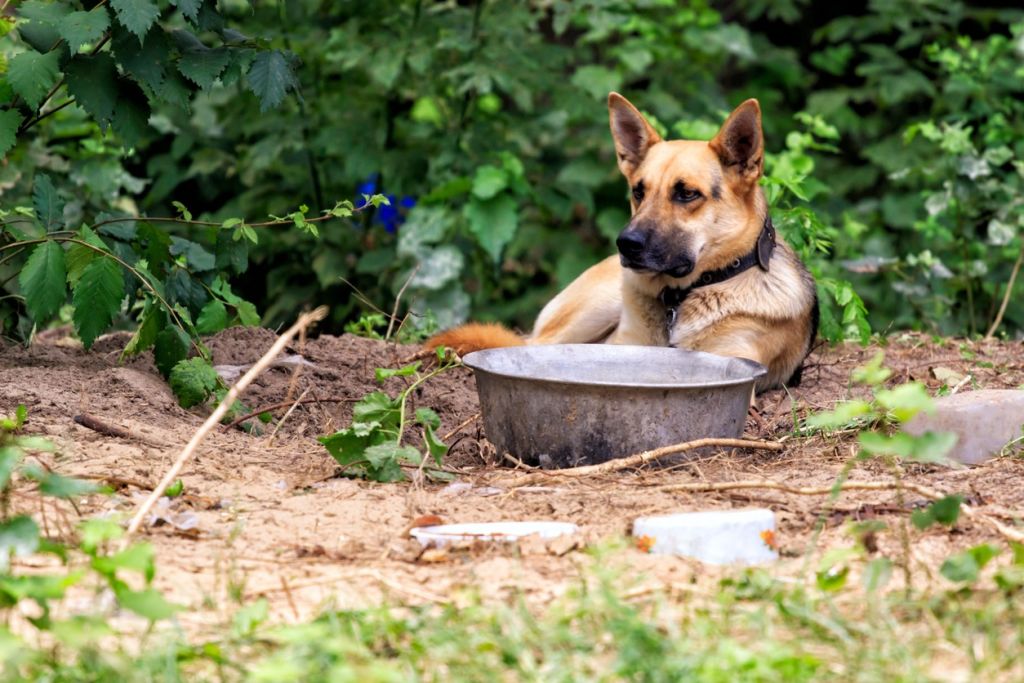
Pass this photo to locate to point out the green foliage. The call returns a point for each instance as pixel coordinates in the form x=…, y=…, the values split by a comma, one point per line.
x=193, y=381
x=373, y=447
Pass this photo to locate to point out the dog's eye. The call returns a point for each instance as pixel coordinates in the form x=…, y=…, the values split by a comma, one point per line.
x=683, y=194
x=638, y=192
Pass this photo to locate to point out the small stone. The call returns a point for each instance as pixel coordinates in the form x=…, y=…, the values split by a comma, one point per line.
x=984, y=422
x=714, y=536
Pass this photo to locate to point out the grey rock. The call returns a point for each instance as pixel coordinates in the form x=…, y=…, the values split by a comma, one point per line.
x=984, y=422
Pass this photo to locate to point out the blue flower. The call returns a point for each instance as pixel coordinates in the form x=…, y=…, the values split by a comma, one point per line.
x=390, y=215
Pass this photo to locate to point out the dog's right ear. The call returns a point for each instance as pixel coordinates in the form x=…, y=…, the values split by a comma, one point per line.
x=632, y=134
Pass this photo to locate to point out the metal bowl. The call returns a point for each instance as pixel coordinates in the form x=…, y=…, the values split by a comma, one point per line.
x=567, y=405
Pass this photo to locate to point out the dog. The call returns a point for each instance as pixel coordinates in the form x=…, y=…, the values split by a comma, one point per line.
x=700, y=265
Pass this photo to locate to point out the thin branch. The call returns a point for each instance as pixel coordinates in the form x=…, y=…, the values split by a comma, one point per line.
x=229, y=399
x=394, y=312
x=619, y=464
x=285, y=404
x=1006, y=297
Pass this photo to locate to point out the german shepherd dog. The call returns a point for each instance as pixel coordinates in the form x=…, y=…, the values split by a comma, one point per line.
x=700, y=265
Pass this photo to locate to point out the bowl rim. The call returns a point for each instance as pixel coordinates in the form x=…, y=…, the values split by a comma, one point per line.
x=477, y=360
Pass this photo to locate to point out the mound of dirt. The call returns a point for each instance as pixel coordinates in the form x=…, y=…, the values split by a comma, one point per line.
x=265, y=513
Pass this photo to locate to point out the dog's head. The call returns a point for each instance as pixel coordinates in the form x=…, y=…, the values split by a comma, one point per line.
x=696, y=205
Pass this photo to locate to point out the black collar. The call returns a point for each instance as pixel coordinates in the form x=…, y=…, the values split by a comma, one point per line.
x=673, y=297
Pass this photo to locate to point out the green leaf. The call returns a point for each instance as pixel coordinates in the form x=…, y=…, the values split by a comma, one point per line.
x=213, y=318
x=964, y=567
x=171, y=347
x=202, y=67
x=80, y=28
x=131, y=115
x=79, y=256
x=493, y=222
x=40, y=31
x=597, y=81
x=42, y=281
x=428, y=418
x=193, y=381
x=144, y=63
x=9, y=122
x=97, y=298
x=10, y=456
x=19, y=536
x=906, y=400
x=406, y=371
x=437, y=448
x=873, y=373
x=189, y=8
x=59, y=486
x=148, y=603
x=93, y=533
x=138, y=16
x=47, y=203
x=844, y=415
x=138, y=558
x=270, y=78
x=32, y=74
x=376, y=407
x=196, y=255
x=386, y=460
x=151, y=322
x=489, y=181
x=345, y=446
x=247, y=314
x=92, y=80
x=945, y=511
x=175, y=489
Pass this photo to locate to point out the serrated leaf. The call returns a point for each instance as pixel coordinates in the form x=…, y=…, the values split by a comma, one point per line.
x=247, y=314
x=92, y=80
x=148, y=603
x=171, y=346
x=40, y=31
x=32, y=74
x=213, y=318
x=97, y=298
x=195, y=254
x=131, y=115
x=376, y=407
x=202, y=67
x=189, y=8
x=193, y=381
x=144, y=63
x=493, y=222
x=382, y=374
x=42, y=281
x=270, y=78
x=80, y=28
x=138, y=16
x=47, y=203
x=428, y=418
x=9, y=122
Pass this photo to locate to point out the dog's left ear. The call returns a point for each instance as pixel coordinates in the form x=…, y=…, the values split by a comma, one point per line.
x=740, y=142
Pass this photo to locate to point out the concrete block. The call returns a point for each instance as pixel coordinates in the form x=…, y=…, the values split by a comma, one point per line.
x=984, y=422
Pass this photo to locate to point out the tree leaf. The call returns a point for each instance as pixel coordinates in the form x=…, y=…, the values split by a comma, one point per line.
x=9, y=122
x=92, y=80
x=270, y=78
x=493, y=222
x=213, y=318
x=32, y=74
x=150, y=323
x=42, y=281
x=97, y=298
x=202, y=67
x=193, y=381
x=131, y=115
x=189, y=8
x=47, y=203
x=144, y=63
x=171, y=346
x=80, y=28
x=59, y=486
x=138, y=16
x=489, y=181
x=40, y=31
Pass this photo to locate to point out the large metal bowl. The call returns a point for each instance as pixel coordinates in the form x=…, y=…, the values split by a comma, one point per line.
x=567, y=405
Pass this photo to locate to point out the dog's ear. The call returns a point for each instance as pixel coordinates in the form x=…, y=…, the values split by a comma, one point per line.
x=740, y=142
x=632, y=134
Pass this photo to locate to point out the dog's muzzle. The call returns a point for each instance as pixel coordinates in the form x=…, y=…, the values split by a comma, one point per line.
x=637, y=253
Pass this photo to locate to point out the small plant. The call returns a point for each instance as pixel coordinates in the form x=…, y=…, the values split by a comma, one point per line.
x=91, y=541
x=374, y=446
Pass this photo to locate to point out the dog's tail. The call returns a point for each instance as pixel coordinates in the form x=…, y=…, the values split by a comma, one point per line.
x=474, y=337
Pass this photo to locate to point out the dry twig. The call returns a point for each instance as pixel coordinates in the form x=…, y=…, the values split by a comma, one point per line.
x=285, y=404
x=262, y=364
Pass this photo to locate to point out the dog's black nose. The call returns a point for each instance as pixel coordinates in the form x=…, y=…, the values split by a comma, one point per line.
x=631, y=243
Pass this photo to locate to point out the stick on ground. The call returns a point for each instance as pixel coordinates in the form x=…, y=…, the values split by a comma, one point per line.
x=305, y=320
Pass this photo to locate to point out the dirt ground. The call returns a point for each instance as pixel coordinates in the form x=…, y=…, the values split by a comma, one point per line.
x=266, y=515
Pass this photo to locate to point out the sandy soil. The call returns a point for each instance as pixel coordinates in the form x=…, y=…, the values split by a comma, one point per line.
x=266, y=515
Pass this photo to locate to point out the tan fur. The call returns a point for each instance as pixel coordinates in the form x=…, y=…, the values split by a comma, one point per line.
x=763, y=316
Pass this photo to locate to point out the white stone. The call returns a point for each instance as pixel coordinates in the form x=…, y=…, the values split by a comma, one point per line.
x=984, y=422
x=501, y=532
x=715, y=537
